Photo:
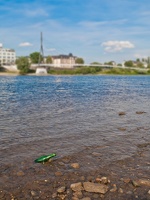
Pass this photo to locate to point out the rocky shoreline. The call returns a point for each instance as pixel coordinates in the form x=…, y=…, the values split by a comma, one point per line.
x=66, y=178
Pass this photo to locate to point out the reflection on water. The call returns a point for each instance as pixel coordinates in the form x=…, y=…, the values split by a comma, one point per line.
x=68, y=113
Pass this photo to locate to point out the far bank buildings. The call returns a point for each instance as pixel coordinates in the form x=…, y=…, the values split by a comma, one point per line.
x=7, y=56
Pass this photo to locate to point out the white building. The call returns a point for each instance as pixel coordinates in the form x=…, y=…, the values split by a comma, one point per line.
x=64, y=60
x=7, y=56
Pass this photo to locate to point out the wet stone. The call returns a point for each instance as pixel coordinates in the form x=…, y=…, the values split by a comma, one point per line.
x=58, y=173
x=86, y=198
x=120, y=190
x=135, y=184
x=95, y=187
x=75, y=165
x=114, y=189
x=140, y=112
x=61, y=189
x=20, y=173
x=126, y=180
x=105, y=180
x=121, y=113
x=78, y=194
x=75, y=198
x=129, y=192
x=33, y=193
x=76, y=186
x=54, y=195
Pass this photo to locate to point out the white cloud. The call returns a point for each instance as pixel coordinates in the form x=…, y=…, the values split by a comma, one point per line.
x=25, y=44
x=1, y=45
x=114, y=46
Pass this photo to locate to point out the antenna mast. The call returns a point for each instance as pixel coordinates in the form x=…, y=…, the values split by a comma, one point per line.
x=41, y=55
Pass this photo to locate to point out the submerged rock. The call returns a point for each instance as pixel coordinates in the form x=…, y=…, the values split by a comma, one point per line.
x=121, y=113
x=140, y=112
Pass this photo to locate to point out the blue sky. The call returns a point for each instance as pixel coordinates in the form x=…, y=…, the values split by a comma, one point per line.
x=96, y=30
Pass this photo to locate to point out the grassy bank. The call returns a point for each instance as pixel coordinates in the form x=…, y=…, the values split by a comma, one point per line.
x=84, y=71
x=97, y=70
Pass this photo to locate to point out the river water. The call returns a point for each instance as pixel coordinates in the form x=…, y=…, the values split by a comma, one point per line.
x=71, y=114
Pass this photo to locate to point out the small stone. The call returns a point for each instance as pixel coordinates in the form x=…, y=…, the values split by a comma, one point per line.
x=104, y=180
x=61, y=163
x=33, y=193
x=95, y=187
x=135, y=184
x=149, y=192
x=126, y=180
x=122, y=129
x=96, y=154
x=62, y=196
x=98, y=180
x=129, y=193
x=20, y=173
x=61, y=189
x=54, y=195
x=121, y=113
x=78, y=194
x=144, y=182
x=76, y=186
x=58, y=173
x=75, y=165
x=120, y=190
x=140, y=112
x=86, y=198
x=114, y=189
x=75, y=198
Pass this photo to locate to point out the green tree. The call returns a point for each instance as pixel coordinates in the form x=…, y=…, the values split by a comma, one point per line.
x=49, y=60
x=35, y=57
x=140, y=64
x=128, y=63
x=95, y=63
x=23, y=65
x=79, y=61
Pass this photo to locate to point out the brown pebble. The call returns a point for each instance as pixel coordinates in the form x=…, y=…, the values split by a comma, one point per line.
x=140, y=112
x=114, y=189
x=75, y=165
x=20, y=173
x=121, y=113
x=78, y=194
x=58, y=173
x=120, y=190
x=61, y=189
x=76, y=186
x=126, y=180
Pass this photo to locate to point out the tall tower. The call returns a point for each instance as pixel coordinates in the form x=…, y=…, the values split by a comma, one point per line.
x=41, y=55
x=41, y=69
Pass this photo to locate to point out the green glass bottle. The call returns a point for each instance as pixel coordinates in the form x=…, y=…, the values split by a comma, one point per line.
x=45, y=158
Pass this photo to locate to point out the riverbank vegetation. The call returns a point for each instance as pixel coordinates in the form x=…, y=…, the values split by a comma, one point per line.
x=97, y=70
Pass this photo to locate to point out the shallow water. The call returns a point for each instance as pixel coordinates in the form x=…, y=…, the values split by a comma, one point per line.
x=71, y=114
